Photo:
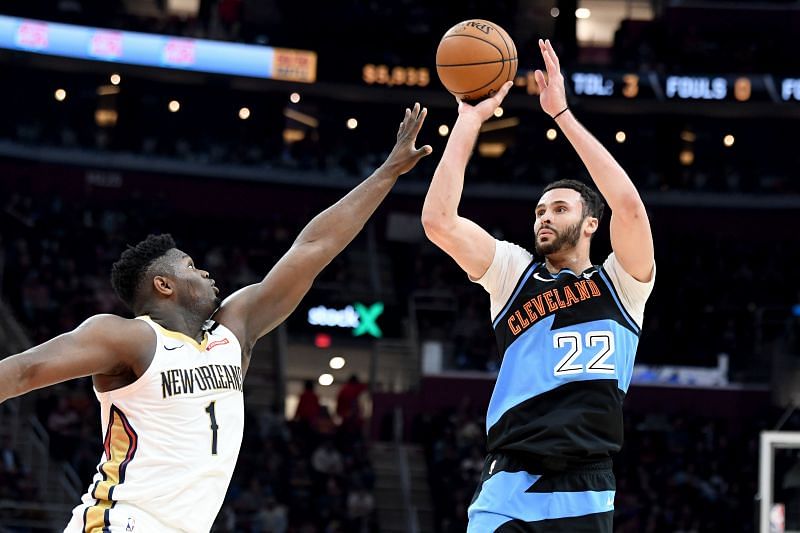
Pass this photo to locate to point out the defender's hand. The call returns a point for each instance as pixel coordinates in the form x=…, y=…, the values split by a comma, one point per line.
x=404, y=155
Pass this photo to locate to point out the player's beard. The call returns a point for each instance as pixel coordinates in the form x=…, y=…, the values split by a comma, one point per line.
x=563, y=239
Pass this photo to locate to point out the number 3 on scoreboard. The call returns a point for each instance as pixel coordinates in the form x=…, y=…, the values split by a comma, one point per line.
x=575, y=342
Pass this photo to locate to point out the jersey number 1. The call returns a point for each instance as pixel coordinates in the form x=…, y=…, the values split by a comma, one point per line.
x=214, y=427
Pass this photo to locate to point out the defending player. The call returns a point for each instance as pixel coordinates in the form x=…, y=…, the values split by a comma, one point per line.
x=170, y=381
x=567, y=329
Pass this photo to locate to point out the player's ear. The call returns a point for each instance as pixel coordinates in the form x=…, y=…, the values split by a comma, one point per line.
x=590, y=225
x=163, y=285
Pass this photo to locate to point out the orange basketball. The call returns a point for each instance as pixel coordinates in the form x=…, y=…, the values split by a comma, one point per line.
x=475, y=58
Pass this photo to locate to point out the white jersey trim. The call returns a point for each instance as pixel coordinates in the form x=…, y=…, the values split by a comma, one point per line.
x=141, y=380
x=511, y=260
x=632, y=292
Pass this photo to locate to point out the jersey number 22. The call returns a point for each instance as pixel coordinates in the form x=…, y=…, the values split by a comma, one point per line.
x=603, y=341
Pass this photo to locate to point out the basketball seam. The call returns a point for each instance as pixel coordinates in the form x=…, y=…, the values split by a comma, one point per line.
x=478, y=63
x=479, y=39
x=508, y=50
x=486, y=84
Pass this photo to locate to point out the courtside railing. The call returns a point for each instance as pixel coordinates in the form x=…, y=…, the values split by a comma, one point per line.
x=412, y=516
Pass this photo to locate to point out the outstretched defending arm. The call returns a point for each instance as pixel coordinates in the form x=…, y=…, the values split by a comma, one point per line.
x=631, y=238
x=256, y=309
x=462, y=239
x=102, y=345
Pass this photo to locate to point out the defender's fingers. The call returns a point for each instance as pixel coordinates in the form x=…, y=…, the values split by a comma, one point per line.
x=540, y=80
x=420, y=119
x=425, y=150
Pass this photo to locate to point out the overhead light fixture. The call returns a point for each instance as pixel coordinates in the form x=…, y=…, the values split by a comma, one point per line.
x=107, y=90
x=491, y=149
x=499, y=124
x=302, y=118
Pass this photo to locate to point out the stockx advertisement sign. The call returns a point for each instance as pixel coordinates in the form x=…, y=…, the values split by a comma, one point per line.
x=363, y=320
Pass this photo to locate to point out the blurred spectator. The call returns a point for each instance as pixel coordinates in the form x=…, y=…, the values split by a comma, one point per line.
x=360, y=506
x=327, y=460
x=16, y=482
x=325, y=426
x=272, y=518
x=348, y=407
x=9, y=458
x=308, y=405
x=63, y=424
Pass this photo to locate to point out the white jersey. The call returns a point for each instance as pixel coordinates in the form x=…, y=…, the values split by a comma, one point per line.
x=170, y=439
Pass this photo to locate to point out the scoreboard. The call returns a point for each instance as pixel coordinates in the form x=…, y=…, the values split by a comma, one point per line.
x=651, y=85
x=619, y=84
x=237, y=59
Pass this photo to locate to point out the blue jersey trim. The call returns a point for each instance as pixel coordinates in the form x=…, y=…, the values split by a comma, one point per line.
x=503, y=497
x=625, y=313
x=521, y=283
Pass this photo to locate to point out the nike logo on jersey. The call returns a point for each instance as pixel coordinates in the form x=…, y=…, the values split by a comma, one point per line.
x=610, y=501
x=170, y=348
x=540, y=278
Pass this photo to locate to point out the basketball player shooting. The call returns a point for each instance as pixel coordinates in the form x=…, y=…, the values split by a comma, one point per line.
x=567, y=330
x=170, y=381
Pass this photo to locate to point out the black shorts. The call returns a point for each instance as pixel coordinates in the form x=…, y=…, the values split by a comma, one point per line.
x=515, y=498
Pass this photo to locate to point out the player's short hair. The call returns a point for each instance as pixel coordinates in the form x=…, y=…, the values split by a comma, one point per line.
x=129, y=271
x=592, y=201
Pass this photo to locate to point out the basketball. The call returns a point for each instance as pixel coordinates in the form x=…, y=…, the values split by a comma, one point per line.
x=475, y=58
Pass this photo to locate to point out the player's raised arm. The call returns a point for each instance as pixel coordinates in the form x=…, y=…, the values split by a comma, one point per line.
x=462, y=239
x=255, y=310
x=102, y=345
x=631, y=238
